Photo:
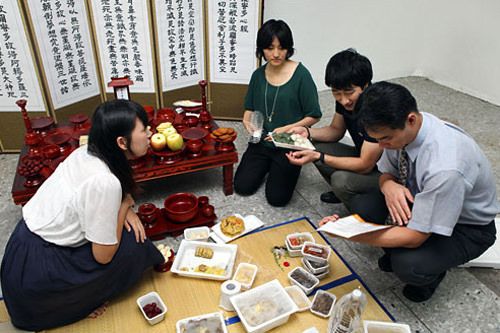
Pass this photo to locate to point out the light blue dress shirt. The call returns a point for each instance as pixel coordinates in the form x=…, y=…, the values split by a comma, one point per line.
x=449, y=176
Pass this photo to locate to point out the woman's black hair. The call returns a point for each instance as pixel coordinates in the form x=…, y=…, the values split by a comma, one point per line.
x=111, y=120
x=385, y=104
x=348, y=68
x=274, y=28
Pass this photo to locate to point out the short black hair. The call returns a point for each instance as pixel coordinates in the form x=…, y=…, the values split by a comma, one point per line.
x=385, y=104
x=348, y=68
x=274, y=28
x=111, y=120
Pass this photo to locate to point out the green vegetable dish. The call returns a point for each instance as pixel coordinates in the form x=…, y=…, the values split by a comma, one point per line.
x=283, y=138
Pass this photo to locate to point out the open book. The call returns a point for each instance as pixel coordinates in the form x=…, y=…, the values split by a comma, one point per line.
x=350, y=226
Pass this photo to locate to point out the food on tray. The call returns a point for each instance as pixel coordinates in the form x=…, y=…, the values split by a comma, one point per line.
x=203, y=325
x=151, y=310
x=187, y=103
x=303, y=278
x=298, y=240
x=232, y=226
x=315, y=264
x=322, y=303
x=245, y=274
x=204, y=252
x=166, y=251
x=292, y=139
x=200, y=234
x=214, y=270
x=223, y=134
x=260, y=312
x=298, y=297
x=316, y=250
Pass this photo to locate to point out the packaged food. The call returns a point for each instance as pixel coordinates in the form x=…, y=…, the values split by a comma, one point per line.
x=296, y=240
x=299, y=298
x=315, y=267
x=208, y=323
x=245, y=274
x=152, y=307
x=196, y=234
x=322, y=304
x=303, y=279
x=316, y=252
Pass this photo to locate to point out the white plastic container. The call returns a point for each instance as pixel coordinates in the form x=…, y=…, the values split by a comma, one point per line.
x=323, y=296
x=245, y=275
x=210, y=322
x=306, y=282
x=150, y=298
x=299, y=298
x=371, y=326
x=323, y=267
x=301, y=238
x=316, y=252
x=264, y=307
x=322, y=275
x=200, y=234
x=292, y=252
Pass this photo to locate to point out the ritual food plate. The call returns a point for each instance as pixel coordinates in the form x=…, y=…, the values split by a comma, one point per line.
x=291, y=141
x=251, y=222
x=205, y=260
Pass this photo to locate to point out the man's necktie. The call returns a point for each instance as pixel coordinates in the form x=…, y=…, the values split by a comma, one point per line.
x=403, y=167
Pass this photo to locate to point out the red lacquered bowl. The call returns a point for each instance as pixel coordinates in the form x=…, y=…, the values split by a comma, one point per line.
x=181, y=207
x=51, y=151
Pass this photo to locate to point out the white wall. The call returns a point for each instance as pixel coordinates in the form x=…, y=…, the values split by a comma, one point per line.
x=453, y=42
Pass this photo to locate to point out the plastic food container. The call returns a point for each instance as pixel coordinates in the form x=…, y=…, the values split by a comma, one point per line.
x=264, y=307
x=316, y=252
x=314, y=266
x=149, y=298
x=302, y=278
x=322, y=275
x=322, y=304
x=291, y=252
x=296, y=240
x=371, y=326
x=245, y=275
x=300, y=299
x=210, y=322
x=197, y=234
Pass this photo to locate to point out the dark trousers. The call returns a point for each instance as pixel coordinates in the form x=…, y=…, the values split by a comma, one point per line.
x=259, y=161
x=423, y=265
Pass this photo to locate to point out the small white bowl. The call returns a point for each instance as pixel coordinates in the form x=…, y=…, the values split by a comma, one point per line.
x=316, y=271
x=150, y=298
x=245, y=283
x=322, y=254
x=200, y=234
x=322, y=293
x=305, y=273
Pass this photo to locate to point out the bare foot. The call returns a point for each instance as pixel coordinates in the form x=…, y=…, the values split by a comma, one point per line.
x=99, y=311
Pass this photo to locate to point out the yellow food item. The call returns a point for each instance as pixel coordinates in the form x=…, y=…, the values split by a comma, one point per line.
x=214, y=270
x=244, y=275
x=204, y=252
x=232, y=226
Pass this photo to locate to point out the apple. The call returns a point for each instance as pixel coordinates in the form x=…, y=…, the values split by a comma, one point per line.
x=158, y=141
x=168, y=131
x=163, y=126
x=174, y=141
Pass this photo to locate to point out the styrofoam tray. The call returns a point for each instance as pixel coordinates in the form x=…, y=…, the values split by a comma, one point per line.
x=219, y=320
x=186, y=262
x=279, y=303
x=252, y=222
x=310, y=146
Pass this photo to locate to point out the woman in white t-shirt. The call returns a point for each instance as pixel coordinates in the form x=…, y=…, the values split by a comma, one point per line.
x=79, y=243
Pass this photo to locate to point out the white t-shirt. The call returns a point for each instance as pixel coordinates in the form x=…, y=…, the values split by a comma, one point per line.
x=79, y=202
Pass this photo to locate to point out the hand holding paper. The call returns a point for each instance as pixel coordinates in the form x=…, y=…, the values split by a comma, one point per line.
x=350, y=226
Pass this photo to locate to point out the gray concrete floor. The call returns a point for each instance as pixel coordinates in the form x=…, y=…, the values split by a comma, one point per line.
x=466, y=301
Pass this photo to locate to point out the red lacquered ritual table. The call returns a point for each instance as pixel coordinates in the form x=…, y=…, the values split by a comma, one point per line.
x=153, y=166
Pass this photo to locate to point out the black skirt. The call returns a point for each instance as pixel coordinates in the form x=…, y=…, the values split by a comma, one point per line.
x=45, y=285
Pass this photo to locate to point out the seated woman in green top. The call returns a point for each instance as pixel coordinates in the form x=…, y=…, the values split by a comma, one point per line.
x=284, y=91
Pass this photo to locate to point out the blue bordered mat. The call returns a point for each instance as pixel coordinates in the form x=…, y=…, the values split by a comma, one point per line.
x=330, y=285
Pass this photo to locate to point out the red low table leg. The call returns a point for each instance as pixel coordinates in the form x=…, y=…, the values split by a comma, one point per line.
x=227, y=171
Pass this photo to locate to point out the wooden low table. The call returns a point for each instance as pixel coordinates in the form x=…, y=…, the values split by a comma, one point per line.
x=149, y=168
x=187, y=297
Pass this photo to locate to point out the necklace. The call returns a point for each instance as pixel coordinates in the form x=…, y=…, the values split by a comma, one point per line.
x=270, y=116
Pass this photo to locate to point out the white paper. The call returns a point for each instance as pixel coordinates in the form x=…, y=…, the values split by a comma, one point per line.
x=124, y=39
x=181, y=42
x=63, y=37
x=350, y=226
x=252, y=222
x=232, y=26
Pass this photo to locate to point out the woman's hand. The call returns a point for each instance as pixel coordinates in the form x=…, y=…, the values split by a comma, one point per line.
x=283, y=129
x=327, y=219
x=132, y=222
x=300, y=130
